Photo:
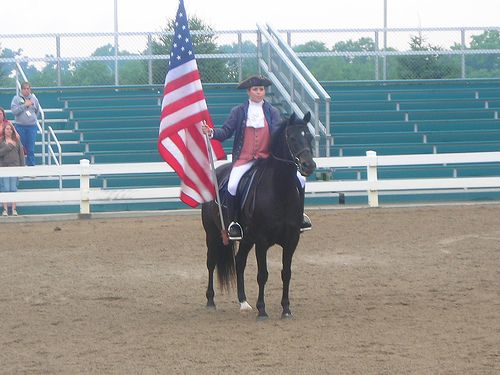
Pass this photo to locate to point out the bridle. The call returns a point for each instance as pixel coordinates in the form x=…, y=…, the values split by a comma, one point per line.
x=294, y=154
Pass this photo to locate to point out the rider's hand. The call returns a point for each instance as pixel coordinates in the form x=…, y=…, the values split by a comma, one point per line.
x=207, y=130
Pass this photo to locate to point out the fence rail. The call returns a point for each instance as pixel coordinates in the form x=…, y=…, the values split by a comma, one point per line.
x=372, y=186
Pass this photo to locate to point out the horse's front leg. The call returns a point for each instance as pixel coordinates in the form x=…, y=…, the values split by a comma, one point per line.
x=286, y=275
x=241, y=263
x=262, y=275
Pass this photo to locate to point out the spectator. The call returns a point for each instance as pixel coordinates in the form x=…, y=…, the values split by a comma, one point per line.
x=3, y=121
x=25, y=108
x=11, y=155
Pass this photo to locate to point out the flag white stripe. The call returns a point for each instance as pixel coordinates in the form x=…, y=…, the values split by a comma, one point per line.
x=192, y=193
x=174, y=150
x=181, y=92
x=181, y=70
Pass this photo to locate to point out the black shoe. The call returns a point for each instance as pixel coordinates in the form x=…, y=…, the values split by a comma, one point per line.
x=306, y=223
x=235, y=231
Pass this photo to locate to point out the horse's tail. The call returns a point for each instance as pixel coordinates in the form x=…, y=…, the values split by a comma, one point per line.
x=219, y=255
x=225, y=265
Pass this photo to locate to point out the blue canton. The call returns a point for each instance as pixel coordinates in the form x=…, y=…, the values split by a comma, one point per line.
x=182, y=47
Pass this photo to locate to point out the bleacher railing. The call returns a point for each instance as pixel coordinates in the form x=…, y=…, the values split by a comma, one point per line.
x=319, y=90
x=290, y=85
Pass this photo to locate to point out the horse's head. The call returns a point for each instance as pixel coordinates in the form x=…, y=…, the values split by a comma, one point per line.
x=298, y=140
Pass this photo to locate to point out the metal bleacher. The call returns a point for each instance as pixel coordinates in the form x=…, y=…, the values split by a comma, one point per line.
x=116, y=125
x=111, y=125
x=416, y=117
x=120, y=126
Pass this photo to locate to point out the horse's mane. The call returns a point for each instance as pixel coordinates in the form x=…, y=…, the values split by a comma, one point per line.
x=277, y=139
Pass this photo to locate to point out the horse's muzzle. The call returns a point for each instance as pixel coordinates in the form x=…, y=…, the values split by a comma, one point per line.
x=306, y=166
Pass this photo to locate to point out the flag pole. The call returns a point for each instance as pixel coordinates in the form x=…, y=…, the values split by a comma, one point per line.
x=225, y=236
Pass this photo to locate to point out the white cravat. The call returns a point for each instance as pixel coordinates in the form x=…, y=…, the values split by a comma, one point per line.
x=255, y=117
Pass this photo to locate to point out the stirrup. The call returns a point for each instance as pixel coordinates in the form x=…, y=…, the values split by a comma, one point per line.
x=235, y=231
x=306, y=223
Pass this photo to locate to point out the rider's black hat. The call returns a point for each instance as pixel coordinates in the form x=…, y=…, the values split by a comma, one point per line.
x=255, y=81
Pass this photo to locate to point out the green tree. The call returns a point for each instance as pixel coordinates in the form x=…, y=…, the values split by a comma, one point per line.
x=211, y=70
x=483, y=66
x=321, y=67
x=46, y=77
x=6, y=69
x=103, y=72
x=133, y=73
x=329, y=68
x=249, y=66
x=431, y=66
x=95, y=72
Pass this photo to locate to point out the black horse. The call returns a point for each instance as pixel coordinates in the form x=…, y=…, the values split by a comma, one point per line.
x=271, y=214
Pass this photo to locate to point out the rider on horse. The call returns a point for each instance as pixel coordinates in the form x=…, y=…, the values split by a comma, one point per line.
x=252, y=124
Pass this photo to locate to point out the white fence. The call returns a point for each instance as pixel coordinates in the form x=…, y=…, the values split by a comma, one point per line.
x=372, y=186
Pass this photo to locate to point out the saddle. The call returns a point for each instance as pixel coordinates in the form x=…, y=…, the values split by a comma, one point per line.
x=246, y=186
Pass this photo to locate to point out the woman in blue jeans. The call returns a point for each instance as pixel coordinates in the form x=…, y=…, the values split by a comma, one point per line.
x=11, y=155
x=25, y=108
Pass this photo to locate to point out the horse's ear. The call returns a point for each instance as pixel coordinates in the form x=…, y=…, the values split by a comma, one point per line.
x=293, y=117
x=307, y=117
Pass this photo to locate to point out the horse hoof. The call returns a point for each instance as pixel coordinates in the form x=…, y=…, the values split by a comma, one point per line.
x=245, y=306
x=286, y=316
x=262, y=318
x=210, y=307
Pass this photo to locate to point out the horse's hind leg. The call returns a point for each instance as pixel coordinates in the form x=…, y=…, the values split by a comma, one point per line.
x=210, y=288
x=241, y=263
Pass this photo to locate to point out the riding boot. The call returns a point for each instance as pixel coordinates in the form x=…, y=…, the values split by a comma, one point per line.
x=306, y=222
x=234, y=229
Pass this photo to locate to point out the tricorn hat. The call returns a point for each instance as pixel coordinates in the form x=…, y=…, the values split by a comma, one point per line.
x=255, y=81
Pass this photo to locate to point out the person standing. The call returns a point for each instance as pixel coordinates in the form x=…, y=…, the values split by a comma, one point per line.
x=252, y=123
x=11, y=155
x=25, y=108
x=3, y=121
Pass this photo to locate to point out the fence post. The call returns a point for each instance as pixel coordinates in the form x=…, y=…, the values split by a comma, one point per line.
x=372, y=178
x=84, y=189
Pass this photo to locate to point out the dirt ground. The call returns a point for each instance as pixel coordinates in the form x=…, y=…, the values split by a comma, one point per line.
x=412, y=290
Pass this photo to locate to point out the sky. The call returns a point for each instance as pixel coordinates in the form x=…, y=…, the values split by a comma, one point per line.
x=64, y=16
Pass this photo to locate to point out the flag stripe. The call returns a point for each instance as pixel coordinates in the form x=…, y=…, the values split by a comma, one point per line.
x=192, y=76
x=189, y=104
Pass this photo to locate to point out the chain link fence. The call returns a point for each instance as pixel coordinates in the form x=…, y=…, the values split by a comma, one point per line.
x=140, y=58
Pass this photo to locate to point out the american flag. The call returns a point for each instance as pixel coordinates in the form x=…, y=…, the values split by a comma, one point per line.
x=181, y=142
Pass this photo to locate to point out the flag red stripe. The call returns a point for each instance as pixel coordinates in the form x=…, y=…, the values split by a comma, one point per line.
x=174, y=163
x=188, y=200
x=194, y=164
x=181, y=81
x=170, y=159
x=184, y=123
x=183, y=102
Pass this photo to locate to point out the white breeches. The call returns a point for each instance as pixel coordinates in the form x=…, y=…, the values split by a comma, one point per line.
x=239, y=171
x=235, y=176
